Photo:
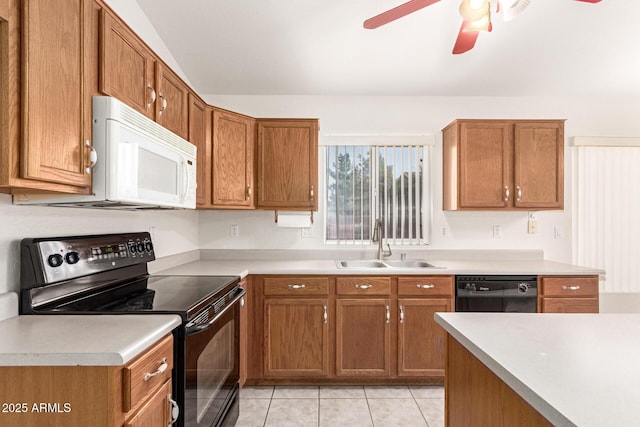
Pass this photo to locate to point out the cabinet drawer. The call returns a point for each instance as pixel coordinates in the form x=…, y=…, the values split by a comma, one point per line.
x=363, y=286
x=296, y=285
x=584, y=286
x=425, y=285
x=570, y=305
x=157, y=362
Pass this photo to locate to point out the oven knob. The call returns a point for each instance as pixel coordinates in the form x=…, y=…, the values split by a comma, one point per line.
x=55, y=260
x=523, y=288
x=72, y=257
x=149, y=246
x=132, y=247
x=140, y=247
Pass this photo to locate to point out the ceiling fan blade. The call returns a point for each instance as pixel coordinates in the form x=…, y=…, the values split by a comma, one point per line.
x=590, y=1
x=397, y=12
x=466, y=39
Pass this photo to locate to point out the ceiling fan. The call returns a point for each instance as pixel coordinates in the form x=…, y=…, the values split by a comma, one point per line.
x=476, y=17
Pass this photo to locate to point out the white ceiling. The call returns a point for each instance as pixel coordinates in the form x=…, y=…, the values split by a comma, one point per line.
x=319, y=47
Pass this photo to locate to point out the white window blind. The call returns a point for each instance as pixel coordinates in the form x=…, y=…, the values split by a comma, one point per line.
x=365, y=182
x=607, y=205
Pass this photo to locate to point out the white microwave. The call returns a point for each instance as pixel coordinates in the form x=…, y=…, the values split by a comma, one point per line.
x=138, y=163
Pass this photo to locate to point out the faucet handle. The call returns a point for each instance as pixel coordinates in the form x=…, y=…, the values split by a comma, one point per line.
x=387, y=253
x=403, y=256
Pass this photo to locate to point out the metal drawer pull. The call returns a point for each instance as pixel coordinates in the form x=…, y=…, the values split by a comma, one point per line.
x=387, y=316
x=363, y=286
x=163, y=367
x=296, y=286
x=324, y=313
x=425, y=286
x=518, y=193
x=401, y=314
x=570, y=288
x=506, y=193
x=175, y=411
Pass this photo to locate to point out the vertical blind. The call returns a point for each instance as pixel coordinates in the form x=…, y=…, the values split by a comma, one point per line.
x=369, y=182
x=607, y=202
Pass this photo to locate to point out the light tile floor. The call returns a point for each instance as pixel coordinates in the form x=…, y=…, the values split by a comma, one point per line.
x=348, y=406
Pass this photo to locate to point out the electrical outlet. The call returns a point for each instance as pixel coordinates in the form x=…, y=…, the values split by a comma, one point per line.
x=235, y=230
x=497, y=232
x=306, y=232
x=444, y=231
x=532, y=224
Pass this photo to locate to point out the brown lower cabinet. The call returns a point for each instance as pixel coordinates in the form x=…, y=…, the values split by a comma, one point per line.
x=312, y=329
x=101, y=396
x=568, y=294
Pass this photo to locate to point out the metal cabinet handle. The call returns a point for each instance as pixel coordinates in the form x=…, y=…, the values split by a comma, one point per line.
x=365, y=286
x=425, y=286
x=152, y=98
x=401, y=314
x=242, y=302
x=248, y=192
x=324, y=314
x=506, y=193
x=387, y=316
x=163, y=103
x=571, y=288
x=311, y=193
x=175, y=411
x=296, y=286
x=93, y=156
x=163, y=367
x=518, y=193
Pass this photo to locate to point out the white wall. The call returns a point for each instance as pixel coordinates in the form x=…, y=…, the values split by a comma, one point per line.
x=420, y=115
x=173, y=231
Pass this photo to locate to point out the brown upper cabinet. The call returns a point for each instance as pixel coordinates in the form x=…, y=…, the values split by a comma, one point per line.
x=200, y=136
x=232, y=178
x=132, y=73
x=45, y=97
x=287, y=164
x=503, y=164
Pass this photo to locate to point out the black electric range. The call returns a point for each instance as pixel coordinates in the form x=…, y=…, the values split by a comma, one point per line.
x=108, y=274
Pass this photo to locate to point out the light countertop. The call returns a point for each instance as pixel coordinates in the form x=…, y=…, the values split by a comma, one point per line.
x=80, y=340
x=237, y=267
x=575, y=369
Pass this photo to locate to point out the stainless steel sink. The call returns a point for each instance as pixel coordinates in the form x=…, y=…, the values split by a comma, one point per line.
x=359, y=263
x=409, y=263
x=372, y=263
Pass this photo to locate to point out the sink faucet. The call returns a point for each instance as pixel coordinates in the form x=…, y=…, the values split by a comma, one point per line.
x=377, y=237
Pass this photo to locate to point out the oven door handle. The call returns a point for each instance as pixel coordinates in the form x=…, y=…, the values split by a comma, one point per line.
x=198, y=328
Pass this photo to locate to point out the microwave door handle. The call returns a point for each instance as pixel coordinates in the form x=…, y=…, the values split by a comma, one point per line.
x=185, y=176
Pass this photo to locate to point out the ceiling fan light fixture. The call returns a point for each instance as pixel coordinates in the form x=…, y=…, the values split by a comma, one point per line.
x=474, y=10
x=482, y=24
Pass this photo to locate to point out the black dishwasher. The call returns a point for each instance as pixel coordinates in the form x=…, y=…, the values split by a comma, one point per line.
x=510, y=294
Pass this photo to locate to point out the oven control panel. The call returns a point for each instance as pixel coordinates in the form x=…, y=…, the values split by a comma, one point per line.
x=67, y=258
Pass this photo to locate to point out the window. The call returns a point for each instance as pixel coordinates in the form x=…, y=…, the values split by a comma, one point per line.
x=365, y=182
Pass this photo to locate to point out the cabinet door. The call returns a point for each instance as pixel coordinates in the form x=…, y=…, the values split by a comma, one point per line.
x=421, y=341
x=171, y=102
x=485, y=164
x=233, y=148
x=56, y=122
x=539, y=165
x=296, y=338
x=288, y=164
x=126, y=67
x=363, y=340
x=154, y=411
x=199, y=137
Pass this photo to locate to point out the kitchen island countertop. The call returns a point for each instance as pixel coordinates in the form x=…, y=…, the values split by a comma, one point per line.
x=80, y=340
x=574, y=369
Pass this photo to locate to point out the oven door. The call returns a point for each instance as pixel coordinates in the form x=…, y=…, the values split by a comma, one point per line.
x=212, y=368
